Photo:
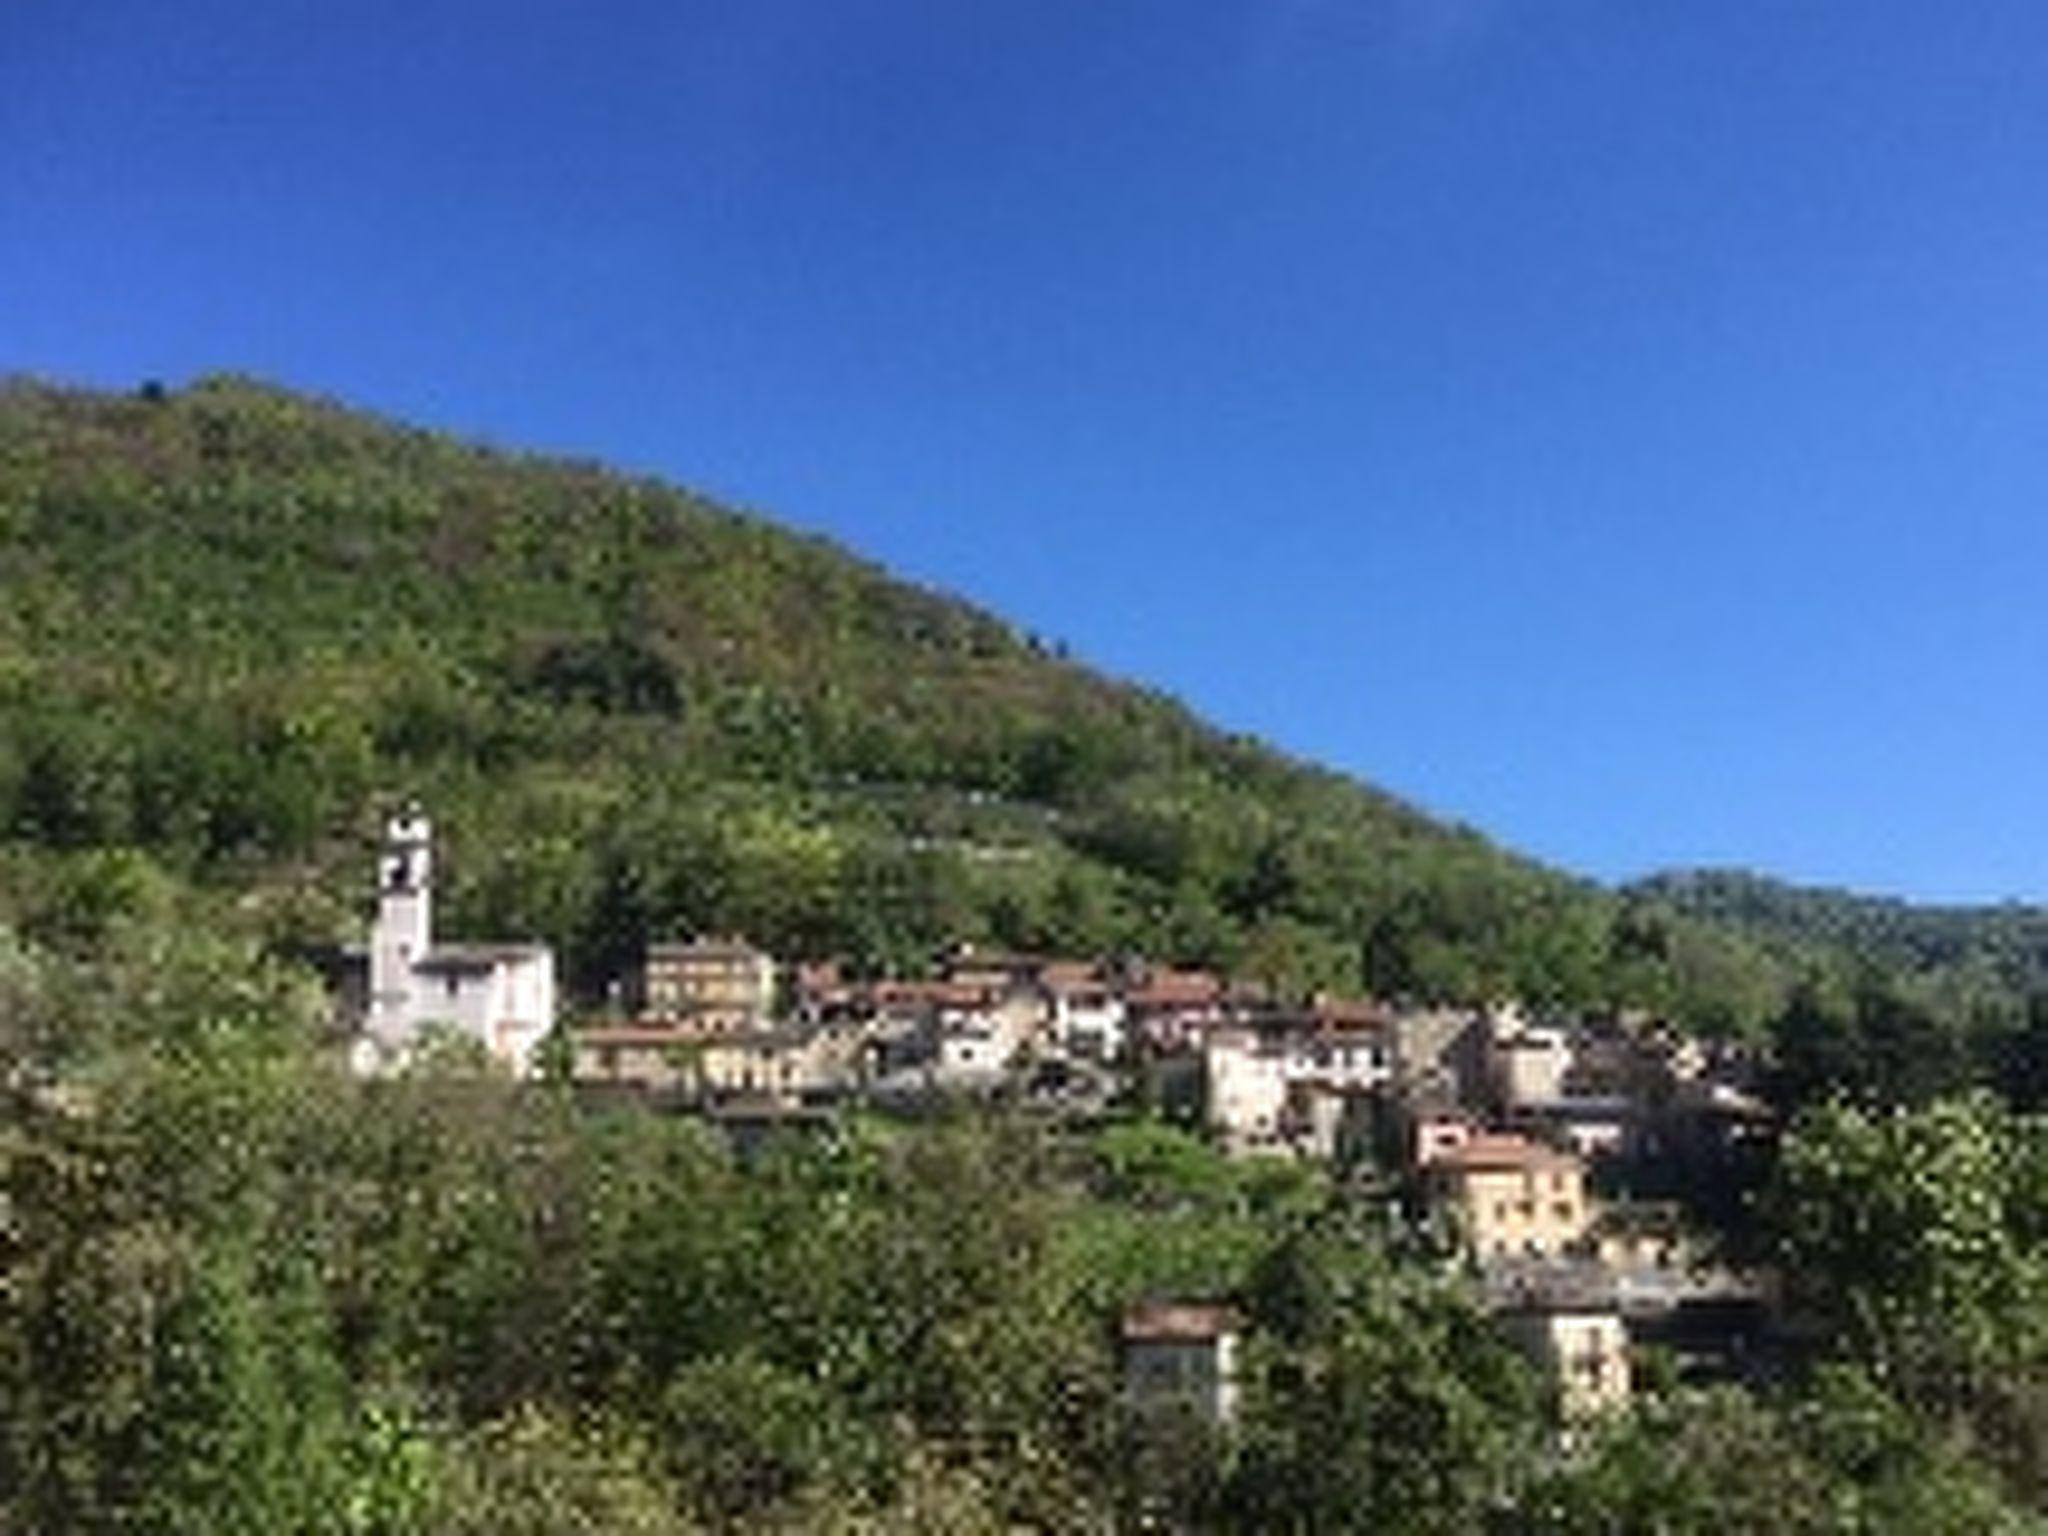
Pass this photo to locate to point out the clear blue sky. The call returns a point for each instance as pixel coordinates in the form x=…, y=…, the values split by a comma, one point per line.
x=1618, y=424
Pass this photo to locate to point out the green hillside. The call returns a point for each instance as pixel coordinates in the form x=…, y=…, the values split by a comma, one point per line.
x=2000, y=947
x=1896, y=1000
x=241, y=620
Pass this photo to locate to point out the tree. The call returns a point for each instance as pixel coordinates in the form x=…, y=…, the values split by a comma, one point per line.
x=1383, y=1401
x=247, y=1423
x=1839, y=1456
x=532, y=1473
x=1876, y=1045
x=1914, y=1238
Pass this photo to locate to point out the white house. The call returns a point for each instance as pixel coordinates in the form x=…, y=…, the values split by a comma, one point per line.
x=1088, y=1014
x=502, y=996
x=1247, y=1080
x=1288, y=1083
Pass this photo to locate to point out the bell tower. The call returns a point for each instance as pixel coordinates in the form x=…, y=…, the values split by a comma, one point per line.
x=405, y=915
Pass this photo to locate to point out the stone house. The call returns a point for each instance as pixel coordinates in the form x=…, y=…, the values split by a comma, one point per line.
x=1173, y=1010
x=653, y=1058
x=790, y=1064
x=1527, y=1061
x=1578, y=1339
x=1246, y=1088
x=787, y=1065
x=1182, y=1355
x=1296, y=1080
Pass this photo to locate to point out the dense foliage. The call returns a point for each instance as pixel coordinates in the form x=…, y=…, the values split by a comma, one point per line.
x=1890, y=1003
x=1981, y=958
x=244, y=1293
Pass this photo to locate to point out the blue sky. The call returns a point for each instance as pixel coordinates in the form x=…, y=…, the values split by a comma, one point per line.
x=1621, y=425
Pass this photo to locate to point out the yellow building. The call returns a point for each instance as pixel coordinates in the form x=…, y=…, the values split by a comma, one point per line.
x=1512, y=1198
x=714, y=985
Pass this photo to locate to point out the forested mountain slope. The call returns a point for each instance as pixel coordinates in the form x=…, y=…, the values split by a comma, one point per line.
x=1968, y=954
x=239, y=620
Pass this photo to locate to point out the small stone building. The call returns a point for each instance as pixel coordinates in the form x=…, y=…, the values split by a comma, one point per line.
x=1580, y=1343
x=1185, y=1355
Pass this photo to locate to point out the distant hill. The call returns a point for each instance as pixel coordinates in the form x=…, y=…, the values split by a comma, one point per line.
x=240, y=621
x=1997, y=949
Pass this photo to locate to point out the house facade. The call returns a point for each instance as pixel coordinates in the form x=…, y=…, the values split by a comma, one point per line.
x=1581, y=1346
x=1088, y=1016
x=1512, y=1198
x=1287, y=1081
x=717, y=985
x=1527, y=1060
x=1246, y=1082
x=1182, y=1355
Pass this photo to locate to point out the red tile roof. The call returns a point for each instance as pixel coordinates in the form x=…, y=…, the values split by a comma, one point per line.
x=1178, y=1322
x=1169, y=989
x=1495, y=1151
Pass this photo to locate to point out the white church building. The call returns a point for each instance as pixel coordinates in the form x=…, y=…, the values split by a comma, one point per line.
x=500, y=995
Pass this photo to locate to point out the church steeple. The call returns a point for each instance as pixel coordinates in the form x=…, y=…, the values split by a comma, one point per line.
x=408, y=851
x=405, y=915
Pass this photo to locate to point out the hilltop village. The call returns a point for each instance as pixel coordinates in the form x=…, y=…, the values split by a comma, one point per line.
x=1553, y=1156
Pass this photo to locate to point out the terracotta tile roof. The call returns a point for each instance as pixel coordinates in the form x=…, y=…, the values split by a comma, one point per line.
x=1176, y=989
x=1493, y=1150
x=1178, y=1322
x=1350, y=1013
x=938, y=994
x=1071, y=976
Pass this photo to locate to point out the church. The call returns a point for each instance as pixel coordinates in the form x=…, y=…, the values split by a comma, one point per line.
x=502, y=996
